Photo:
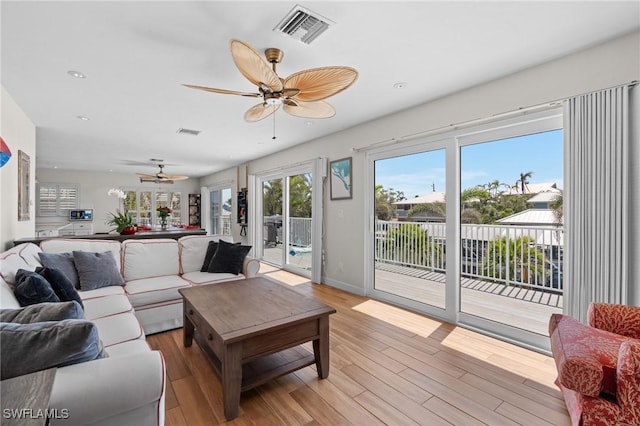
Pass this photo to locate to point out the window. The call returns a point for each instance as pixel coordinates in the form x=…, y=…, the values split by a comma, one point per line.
x=220, y=211
x=143, y=206
x=56, y=199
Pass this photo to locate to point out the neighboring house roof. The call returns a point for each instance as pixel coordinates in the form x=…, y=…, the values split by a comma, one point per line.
x=544, y=197
x=534, y=188
x=433, y=197
x=533, y=217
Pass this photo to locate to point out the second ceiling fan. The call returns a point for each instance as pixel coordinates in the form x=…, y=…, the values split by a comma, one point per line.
x=301, y=94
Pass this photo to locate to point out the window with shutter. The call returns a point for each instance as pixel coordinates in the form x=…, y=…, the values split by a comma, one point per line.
x=56, y=199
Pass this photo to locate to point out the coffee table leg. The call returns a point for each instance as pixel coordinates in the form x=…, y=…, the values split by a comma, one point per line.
x=232, y=380
x=187, y=332
x=321, y=348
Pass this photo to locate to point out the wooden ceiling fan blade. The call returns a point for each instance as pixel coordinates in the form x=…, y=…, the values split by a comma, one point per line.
x=222, y=91
x=144, y=176
x=176, y=177
x=318, y=109
x=320, y=83
x=253, y=67
x=259, y=112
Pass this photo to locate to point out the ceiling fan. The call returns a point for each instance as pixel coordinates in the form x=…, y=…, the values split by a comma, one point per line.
x=160, y=177
x=301, y=94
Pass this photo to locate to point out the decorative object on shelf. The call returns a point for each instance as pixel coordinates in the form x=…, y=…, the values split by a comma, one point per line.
x=194, y=210
x=123, y=223
x=163, y=213
x=340, y=179
x=5, y=152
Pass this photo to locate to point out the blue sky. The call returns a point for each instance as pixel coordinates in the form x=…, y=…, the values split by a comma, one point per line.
x=503, y=160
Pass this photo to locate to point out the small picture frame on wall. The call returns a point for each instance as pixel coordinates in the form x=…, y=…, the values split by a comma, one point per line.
x=24, y=182
x=340, y=179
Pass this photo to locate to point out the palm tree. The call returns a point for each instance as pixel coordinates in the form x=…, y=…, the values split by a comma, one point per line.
x=522, y=259
x=524, y=180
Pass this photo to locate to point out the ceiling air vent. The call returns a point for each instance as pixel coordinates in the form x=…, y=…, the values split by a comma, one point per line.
x=191, y=132
x=303, y=25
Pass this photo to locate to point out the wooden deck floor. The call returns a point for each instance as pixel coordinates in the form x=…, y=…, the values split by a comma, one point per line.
x=519, y=307
x=389, y=366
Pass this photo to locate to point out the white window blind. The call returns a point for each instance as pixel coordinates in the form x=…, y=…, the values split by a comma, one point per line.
x=55, y=199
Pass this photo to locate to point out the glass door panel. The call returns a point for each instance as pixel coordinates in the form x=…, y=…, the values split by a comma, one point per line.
x=299, y=221
x=410, y=225
x=272, y=202
x=511, y=230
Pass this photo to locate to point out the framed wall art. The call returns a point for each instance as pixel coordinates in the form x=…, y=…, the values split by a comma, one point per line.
x=340, y=179
x=24, y=185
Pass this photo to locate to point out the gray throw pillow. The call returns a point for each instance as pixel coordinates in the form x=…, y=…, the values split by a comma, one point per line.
x=32, y=288
x=27, y=348
x=63, y=262
x=42, y=312
x=96, y=270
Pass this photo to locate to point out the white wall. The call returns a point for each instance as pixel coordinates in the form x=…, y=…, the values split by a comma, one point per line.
x=93, y=188
x=602, y=66
x=19, y=133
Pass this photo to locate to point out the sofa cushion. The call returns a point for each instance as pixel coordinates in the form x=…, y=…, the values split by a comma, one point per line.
x=43, y=312
x=101, y=292
x=96, y=270
x=27, y=348
x=64, y=263
x=106, y=306
x=199, y=278
x=60, y=284
x=149, y=258
x=193, y=249
x=118, y=328
x=585, y=357
x=32, y=288
x=212, y=247
x=228, y=258
x=63, y=245
x=154, y=290
x=128, y=348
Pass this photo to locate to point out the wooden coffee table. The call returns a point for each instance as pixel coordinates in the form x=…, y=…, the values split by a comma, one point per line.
x=257, y=324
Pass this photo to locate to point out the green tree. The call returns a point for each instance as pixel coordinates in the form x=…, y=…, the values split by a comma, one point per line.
x=300, y=195
x=410, y=243
x=557, y=205
x=384, y=199
x=435, y=209
x=272, y=197
x=522, y=258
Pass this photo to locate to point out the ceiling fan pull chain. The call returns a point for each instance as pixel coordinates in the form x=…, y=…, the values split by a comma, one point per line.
x=274, y=123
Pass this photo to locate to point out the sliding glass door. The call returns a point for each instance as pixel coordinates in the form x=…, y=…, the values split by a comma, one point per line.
x=468, y=227
x=286, y=217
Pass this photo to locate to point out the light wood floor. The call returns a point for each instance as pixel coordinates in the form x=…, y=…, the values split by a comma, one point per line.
x=388, y=366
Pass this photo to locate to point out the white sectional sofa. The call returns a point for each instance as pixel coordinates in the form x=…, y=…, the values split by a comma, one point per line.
x=127, y=387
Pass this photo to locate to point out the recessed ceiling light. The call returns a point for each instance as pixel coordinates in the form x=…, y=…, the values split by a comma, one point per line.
x=309, y=123
x=400, y=85
x=83, y=118
x=76, y=74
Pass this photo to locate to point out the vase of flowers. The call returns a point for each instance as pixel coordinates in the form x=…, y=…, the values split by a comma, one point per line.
x=122, y=223
x=163, y=213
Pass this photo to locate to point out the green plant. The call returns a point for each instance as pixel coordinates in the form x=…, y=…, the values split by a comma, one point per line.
x=120, y=220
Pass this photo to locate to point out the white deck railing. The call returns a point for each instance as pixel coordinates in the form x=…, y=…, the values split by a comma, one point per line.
x=528, y=256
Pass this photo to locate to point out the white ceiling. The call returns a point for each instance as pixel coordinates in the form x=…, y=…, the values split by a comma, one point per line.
x=136, y=55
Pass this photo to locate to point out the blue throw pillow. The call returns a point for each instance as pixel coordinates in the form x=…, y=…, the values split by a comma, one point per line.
x=32, y=288
x=96, y=270
x=61, y=285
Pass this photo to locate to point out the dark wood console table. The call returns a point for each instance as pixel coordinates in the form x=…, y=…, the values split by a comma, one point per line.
x=175, y=234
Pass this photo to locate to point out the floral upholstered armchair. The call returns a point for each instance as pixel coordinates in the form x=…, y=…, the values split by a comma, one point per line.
x=599, y=364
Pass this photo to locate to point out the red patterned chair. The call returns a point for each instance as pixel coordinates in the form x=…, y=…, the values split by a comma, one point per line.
x=599, y=364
